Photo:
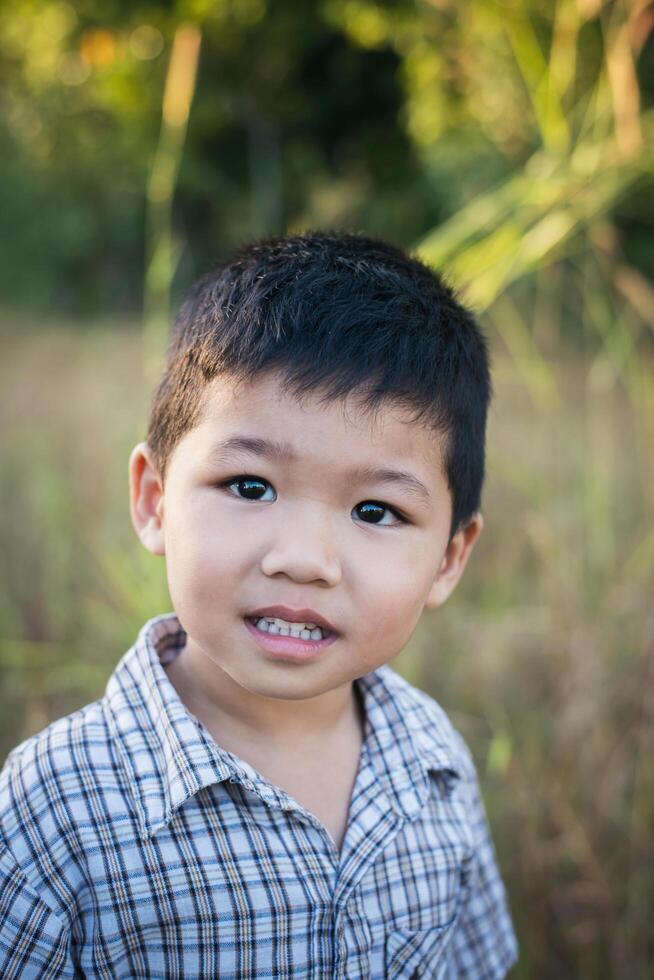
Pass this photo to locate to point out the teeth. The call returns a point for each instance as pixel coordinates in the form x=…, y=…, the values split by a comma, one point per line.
x=304, y=631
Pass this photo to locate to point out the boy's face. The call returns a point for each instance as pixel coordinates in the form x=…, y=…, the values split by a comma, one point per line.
x=307, y=533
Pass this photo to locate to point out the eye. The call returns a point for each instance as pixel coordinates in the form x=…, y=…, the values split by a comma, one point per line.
x=251, y=487
x=373, y=509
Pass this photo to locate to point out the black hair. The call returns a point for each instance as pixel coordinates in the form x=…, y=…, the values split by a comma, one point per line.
x=335, y=313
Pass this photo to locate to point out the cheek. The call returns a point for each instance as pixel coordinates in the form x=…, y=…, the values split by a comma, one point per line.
x=395, y=593
x=202, y=558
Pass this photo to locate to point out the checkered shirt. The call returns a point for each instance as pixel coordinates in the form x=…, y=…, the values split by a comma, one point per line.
x=132, y=845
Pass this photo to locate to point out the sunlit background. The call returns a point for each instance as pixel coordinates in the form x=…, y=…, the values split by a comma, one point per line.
x=510, y=144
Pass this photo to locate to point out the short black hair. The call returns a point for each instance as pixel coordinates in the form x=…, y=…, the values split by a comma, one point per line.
x=336, y=313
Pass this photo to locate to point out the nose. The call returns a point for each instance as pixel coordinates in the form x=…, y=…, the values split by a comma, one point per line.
x=303, y=550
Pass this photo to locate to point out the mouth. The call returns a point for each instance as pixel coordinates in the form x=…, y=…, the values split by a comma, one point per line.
x=282, y=639
x=276, y=626
x=280, y=619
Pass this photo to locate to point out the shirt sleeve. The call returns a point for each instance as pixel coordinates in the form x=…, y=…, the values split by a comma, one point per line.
x=484, y=945
x=34, y=942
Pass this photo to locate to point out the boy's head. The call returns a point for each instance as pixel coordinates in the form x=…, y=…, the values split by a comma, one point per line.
x=356, y=356
x=339, y=312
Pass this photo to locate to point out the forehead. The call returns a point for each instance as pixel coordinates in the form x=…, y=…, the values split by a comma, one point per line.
x=309, y=426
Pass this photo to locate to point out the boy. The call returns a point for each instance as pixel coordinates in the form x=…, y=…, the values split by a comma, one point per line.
x=258, y=794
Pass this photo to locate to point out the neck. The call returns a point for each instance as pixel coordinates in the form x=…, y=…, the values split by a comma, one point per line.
x=237, y=716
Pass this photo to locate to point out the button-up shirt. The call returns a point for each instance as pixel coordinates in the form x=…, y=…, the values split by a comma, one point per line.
x=133, y=845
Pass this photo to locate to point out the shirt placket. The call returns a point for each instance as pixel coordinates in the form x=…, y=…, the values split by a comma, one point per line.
x=374, y=822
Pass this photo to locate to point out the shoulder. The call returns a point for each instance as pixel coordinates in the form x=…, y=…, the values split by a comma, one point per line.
x=46, y=783
x=38, y=763
x=44, y=840
x=431, y=728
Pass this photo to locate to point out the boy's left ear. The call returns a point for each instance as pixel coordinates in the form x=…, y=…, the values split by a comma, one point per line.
x=454, y=561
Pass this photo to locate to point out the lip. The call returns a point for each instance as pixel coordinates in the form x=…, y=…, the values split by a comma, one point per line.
x=294, y=616
x=288, y=647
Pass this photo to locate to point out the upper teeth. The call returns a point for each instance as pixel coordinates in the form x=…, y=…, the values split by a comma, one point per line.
x=306, y=631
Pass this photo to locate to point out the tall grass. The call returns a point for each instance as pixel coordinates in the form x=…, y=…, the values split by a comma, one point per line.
x=559, y=604
x=544, y=657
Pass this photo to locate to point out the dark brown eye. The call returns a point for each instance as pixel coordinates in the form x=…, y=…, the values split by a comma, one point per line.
x=371, y=510
x=249, y=487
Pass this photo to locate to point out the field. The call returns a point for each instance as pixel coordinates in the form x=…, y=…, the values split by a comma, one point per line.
x=544, y=657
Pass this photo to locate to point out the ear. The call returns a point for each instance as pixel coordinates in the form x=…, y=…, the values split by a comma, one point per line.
x=454, y=561
x=146, y=499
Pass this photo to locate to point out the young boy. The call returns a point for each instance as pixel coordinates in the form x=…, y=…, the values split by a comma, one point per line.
x=258, y=794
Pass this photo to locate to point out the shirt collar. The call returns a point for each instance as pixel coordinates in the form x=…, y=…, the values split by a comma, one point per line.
x=169, y=755
x=409, y=736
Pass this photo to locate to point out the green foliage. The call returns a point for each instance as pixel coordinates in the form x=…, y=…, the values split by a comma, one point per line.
x=388, y=117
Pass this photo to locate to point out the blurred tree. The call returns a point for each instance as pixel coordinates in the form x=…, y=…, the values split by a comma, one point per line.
x=387, y=117
x=292, y=124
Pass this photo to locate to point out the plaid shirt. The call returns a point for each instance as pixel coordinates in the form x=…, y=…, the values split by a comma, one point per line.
x=133, y=845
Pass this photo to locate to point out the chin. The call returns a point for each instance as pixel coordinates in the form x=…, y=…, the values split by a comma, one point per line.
x=287, y=688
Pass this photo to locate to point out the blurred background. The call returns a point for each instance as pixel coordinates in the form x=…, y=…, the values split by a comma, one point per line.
x=509, y=144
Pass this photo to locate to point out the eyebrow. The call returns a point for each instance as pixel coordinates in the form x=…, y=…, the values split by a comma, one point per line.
x=284, y=452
